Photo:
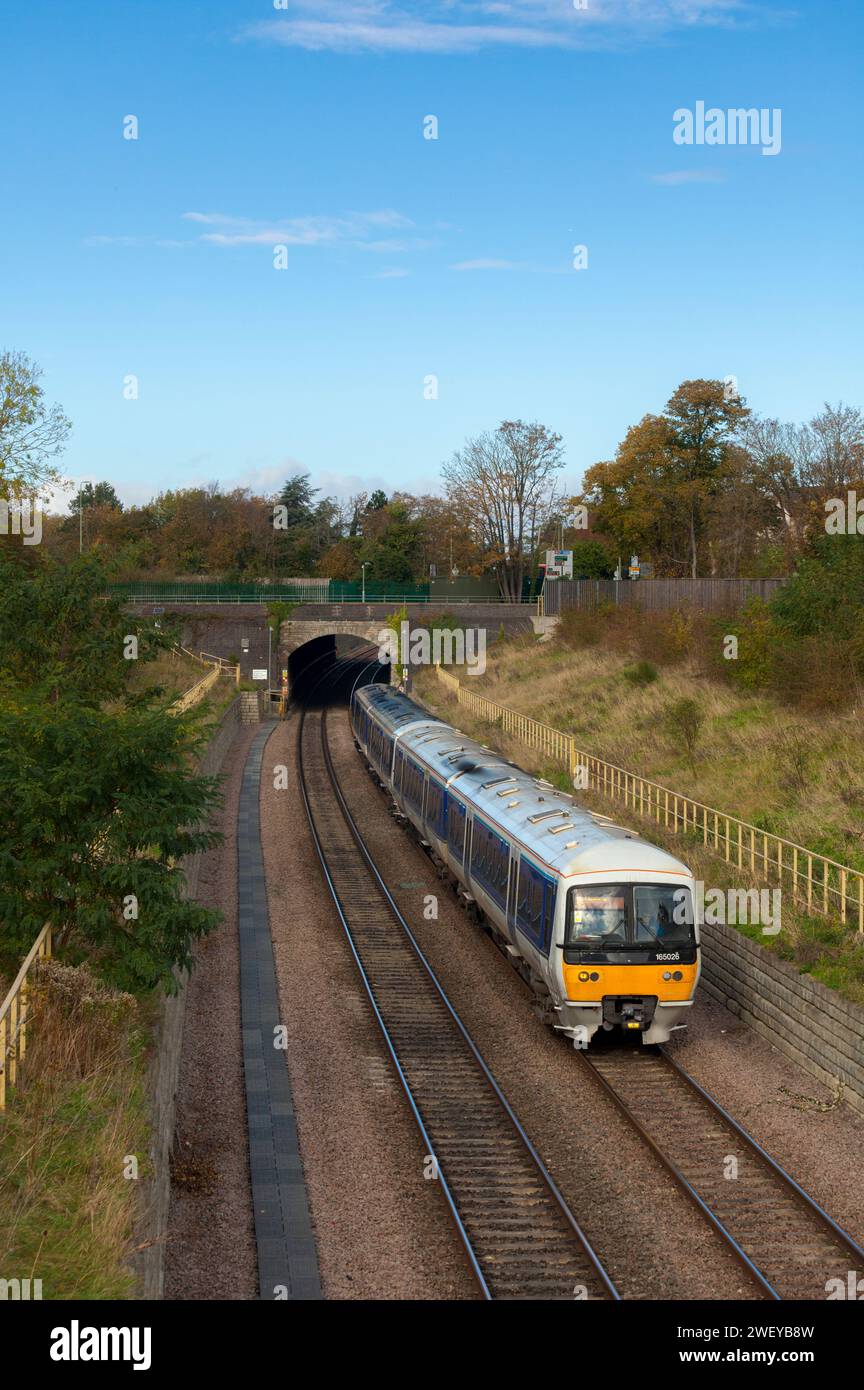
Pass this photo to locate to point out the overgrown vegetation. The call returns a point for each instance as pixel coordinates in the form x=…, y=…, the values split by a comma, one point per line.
x=277, y=614
x=803, y=649
x=101, y=802
x=75, y=1120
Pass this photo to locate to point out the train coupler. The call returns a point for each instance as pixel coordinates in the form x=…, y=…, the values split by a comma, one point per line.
x=633, y=1014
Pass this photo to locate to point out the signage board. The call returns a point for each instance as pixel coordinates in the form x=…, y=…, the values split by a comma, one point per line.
x=559, y=564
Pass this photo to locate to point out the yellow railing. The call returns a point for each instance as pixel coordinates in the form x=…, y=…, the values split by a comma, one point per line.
x=818, y=883
x=229, y=667
x=15, y=1014
x=217, y=663
x=196, y=692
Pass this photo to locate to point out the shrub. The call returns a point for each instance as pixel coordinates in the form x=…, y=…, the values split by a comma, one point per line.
x=826, y=592
x=82, y=1023
x=643, y=673
x=684, y=720
x=794, y=756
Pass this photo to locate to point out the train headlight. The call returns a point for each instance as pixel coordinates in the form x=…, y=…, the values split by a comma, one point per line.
x=667, y=974
x=583, y=976
x=594, y=975
x=677, y=975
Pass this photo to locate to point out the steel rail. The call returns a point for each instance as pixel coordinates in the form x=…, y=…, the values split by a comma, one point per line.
x=672, y=1168
x=454, y=1188
x=784, y=1275
x=812, y=1206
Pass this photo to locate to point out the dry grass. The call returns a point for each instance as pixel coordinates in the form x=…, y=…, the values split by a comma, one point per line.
x=796, y=775
x=79, y=1111
x=799, y=777
x=174, y=673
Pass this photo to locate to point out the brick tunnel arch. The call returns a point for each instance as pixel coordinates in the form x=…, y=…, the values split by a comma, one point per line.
x=322, y=668
x=295, y=632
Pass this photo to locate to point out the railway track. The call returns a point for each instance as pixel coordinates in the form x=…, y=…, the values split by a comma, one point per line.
x=521, y=1238
x=787, y=1243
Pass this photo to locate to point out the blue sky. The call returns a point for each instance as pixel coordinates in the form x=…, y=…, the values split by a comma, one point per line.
x=407, y=257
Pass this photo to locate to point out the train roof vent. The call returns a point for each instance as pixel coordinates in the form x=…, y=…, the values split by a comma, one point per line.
x=556, y=829
x=506, y=791
x=495, y=782
x=545, y=815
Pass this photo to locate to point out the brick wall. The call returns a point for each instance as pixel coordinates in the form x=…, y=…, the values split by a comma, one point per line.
x=812, y=1025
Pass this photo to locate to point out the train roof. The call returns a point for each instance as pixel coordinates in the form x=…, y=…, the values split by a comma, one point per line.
x=566, y=837
x=396, y=711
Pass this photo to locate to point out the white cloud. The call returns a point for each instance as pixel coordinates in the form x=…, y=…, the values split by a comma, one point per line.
x=114, y=241
x=440, y=26
x=355, y=228
x=673, y=180
x=485, y=264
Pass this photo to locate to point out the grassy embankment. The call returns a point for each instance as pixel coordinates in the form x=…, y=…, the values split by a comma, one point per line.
x=795, y=774
x=68, y=1201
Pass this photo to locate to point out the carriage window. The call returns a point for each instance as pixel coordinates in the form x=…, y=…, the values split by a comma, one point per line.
x=412, y=784
x=434, y=803
x=490, y=860
x=535, y=904
x=456, y=828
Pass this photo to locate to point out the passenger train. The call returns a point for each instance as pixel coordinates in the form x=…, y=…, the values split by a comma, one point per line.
x=599, y=922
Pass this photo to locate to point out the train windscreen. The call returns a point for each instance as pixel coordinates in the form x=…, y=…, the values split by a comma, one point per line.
x=647, y=916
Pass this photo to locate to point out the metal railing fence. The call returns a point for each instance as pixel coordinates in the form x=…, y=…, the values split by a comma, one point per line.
x=818, y=883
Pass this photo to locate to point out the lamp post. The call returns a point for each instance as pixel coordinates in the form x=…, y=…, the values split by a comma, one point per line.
x=363, y=568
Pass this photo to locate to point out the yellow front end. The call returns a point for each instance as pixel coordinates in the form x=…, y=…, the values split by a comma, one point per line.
x=592, y=983
x=650, y=1001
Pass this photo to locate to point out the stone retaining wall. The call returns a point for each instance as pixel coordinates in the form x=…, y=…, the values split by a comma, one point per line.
x=165, y=1063
x=811, y=1024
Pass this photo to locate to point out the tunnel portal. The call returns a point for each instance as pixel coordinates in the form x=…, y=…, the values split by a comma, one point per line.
x=326, y=669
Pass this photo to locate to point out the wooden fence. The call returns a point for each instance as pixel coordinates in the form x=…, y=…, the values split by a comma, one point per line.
x=15, y=1014
x=819, y=884
x=655, y=595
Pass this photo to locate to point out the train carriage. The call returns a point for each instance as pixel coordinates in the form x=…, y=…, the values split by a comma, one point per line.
x=599, y=921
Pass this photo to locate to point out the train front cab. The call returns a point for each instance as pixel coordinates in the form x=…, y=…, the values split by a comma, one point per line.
x=629, y=957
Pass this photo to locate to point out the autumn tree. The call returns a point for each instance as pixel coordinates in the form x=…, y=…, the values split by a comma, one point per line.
x=504, y=485
x=32, y=433
x=90, y=496
x=658, y=492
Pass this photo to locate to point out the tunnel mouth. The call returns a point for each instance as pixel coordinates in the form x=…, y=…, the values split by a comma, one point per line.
x=325, y=670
